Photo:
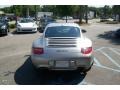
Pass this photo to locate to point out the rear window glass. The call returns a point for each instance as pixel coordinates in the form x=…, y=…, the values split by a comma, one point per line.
x=62, y=31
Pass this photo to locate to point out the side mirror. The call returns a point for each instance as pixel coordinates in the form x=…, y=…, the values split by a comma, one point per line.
x=83, y=31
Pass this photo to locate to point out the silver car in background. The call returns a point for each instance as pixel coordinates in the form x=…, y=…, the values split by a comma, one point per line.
x=62, y=47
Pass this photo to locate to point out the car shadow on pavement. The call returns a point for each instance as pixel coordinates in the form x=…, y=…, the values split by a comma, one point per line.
x=2, y=35
x=110, y=35
x=21, y=33
x=27, y=75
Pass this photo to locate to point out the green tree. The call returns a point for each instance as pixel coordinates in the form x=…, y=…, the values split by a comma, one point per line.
x=65, y=10
x=116, y=10
x=22, y=10
x=81, y=12
x=107, y=10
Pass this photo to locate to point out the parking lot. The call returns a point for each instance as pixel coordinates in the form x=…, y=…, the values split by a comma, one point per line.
x=16, y=67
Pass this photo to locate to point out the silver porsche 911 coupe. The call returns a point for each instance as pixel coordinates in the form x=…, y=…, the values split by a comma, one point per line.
x=62, y=47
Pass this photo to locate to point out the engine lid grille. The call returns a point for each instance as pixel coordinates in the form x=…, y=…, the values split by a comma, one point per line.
x=62, y=42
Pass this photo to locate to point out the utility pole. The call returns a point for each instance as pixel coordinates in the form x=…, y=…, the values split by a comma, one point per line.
x=14, y=8
x=27, y=13
x=66, y=18
x=86, y=13
x=36, y=12
x=80, y=13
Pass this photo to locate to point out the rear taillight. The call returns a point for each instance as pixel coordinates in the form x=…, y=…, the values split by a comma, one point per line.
x=37, y=50
x=86, y=50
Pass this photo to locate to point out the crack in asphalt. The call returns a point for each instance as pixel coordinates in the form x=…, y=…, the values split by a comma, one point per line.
x=8, y=73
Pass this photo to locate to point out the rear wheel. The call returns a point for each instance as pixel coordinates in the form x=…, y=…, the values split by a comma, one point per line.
x=85, y=69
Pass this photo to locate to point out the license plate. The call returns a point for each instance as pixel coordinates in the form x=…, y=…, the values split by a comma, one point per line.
x=62, y=64
x=61, y=50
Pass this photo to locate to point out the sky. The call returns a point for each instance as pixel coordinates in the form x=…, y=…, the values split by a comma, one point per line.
x=97, y=5
x=2, y=6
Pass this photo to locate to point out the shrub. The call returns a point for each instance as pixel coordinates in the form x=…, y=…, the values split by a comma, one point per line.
x=11, y=26
x=112, y=22
x=103, y=20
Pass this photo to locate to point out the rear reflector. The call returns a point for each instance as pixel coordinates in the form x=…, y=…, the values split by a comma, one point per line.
x=38, y=50
x=86, y=50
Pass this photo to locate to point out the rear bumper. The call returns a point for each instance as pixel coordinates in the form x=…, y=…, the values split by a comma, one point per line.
x=73, y=63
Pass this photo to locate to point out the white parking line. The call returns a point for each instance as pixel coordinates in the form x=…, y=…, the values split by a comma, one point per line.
x=97, y=62
x=85, y=83
x=114, y=51
x=107, y=68
x=105, y=47
x=98, y=49
x=113, y=61
x=10, y=34
x=114, y=48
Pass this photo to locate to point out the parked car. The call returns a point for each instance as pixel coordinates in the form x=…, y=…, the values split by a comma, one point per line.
x=11, y=17
x=117, y=33
x=45, y=21
x=4, y=27
x=26, y=25
x=62, y=47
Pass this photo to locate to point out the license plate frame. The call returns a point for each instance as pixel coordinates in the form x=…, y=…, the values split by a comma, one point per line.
x=62, y=64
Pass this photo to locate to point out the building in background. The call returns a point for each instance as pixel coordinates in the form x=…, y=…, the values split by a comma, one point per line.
x=44, y=14
x=91, y=14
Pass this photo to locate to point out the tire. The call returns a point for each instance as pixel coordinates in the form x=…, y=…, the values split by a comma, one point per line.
x=88, y=69
x=117, y=36
x=85, y=70
x=6, y=32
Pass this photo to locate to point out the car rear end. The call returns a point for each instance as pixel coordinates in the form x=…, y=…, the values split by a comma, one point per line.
x=62, y=53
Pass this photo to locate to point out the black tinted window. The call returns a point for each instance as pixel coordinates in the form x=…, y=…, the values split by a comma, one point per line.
x=62, y=31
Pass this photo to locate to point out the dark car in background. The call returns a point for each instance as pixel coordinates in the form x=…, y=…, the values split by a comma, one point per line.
x=117, y=33
x=45, y=21
x=10, y=16
x=4, y=27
